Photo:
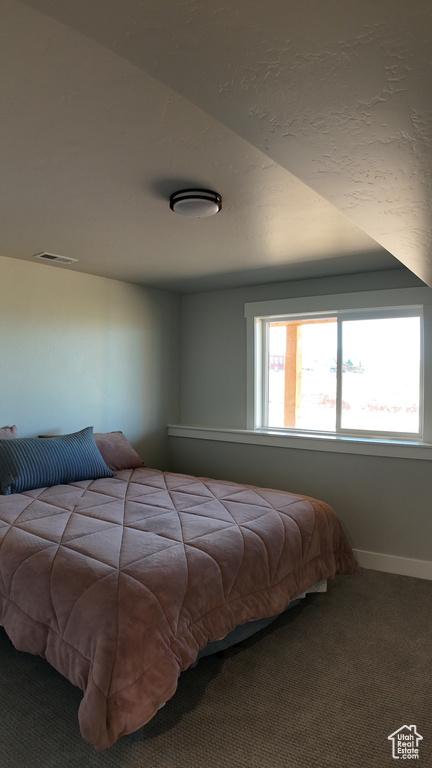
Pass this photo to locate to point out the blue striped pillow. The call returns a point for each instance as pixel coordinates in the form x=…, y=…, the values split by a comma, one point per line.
x=29, y=462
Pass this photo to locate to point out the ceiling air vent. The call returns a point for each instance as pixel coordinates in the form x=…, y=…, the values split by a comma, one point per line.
x=54, y=258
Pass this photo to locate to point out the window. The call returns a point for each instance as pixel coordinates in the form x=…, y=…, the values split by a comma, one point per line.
x=338, y=370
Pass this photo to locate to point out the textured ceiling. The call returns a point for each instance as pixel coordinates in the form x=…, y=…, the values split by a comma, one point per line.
x=313, y=120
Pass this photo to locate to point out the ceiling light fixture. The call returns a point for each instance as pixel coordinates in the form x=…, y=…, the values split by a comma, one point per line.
x=196, y=202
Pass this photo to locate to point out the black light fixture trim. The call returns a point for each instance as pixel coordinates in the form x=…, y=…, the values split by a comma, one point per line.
x=196, y=202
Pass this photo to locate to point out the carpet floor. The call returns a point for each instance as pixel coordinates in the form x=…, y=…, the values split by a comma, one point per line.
x=322, y=687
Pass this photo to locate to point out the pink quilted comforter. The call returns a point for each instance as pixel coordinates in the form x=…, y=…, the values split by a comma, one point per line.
x=119, y=582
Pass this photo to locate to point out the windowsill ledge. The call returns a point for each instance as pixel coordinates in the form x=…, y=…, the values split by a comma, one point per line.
x=398, y=449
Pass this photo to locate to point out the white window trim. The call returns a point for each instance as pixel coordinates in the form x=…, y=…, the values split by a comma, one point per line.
x=334, y=444
x=373, y=300
x=261, y=370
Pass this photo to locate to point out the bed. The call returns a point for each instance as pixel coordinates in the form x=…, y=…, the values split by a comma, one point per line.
x=121, y=580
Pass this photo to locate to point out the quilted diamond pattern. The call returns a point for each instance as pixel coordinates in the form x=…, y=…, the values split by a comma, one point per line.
x=120, y=582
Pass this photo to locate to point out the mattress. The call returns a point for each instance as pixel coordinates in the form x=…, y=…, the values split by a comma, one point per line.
x=121, y=582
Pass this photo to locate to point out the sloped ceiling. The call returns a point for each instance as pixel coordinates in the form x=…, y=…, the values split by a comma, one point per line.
x=312, y=119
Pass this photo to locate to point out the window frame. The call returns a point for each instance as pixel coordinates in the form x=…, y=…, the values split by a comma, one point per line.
x=364, y=305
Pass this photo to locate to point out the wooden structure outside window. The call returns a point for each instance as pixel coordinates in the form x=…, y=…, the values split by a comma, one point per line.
x=293, y=367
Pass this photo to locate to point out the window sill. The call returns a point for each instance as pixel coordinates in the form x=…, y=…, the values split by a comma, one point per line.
x=310, y=442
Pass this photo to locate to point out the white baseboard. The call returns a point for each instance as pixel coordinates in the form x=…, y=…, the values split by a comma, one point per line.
x=404, y=566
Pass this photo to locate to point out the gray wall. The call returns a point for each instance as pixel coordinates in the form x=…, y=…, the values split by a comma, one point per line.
x=78, y=350
x=213, y=347
x=384, y=503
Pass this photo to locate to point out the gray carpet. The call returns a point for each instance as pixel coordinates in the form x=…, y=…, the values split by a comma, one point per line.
x=322, y=687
